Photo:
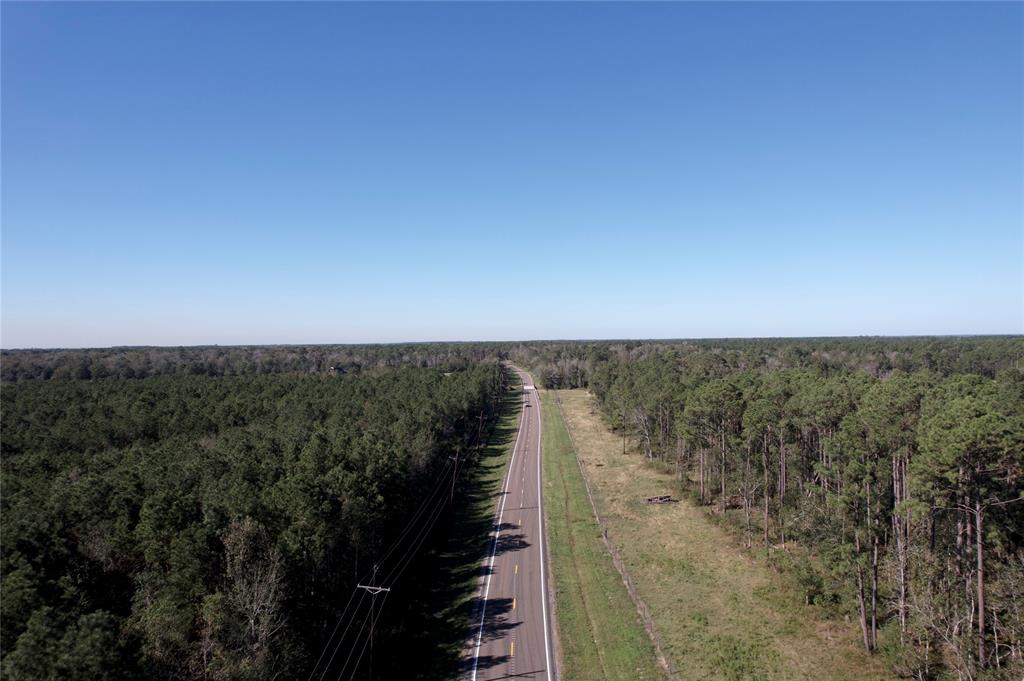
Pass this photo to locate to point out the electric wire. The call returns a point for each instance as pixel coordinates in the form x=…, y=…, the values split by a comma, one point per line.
x=342, y=639
x=337, y=625
x=421, y=537
x=415, y=545
x=442, y=476
x=438, y=485
x=348, y=658
x=403, y=563
x=362, y=652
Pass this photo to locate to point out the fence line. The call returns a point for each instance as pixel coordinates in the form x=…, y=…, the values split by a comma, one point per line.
x=641, y=606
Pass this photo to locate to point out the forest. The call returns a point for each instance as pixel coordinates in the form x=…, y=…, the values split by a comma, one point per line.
x=187, y=526
x=236, y=360
x=886, y=475
x=206, y=513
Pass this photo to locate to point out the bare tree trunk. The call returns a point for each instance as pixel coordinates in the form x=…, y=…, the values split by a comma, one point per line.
x=874, y=566
x=623, y=428
x=680, y=451
x=643, y=423
x=970, y=583
x=746, y=493
x=721, y=503
x=960, y=527
x=980, y=543
x=995, y=637
x=824, y=466
x=700, y=465
x=900, y=530
x=764, y=461
x=874, y=591
x=782, y=487
x=860, y=597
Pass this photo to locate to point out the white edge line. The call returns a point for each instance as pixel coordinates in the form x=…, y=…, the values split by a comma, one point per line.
x=494, y=548
x=540, y=524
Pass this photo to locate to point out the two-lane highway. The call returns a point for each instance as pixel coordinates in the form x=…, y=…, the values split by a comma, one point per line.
x=512, y=636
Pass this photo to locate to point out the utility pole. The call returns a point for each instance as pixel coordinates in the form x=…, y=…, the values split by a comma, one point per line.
x=374, y=591
x=455, y=473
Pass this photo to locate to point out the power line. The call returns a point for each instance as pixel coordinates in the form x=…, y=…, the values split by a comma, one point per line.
x=344, y=634
x=417, y=542
x=341, y=618
x=375, y=588
x=399, y=568
x=424, y=504
x=374, y=591
x=352, y=650
x=421, y=537
x=419, y=511
x=368, y=641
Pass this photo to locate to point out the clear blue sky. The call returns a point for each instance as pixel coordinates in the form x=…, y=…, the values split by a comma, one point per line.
x=190, y=173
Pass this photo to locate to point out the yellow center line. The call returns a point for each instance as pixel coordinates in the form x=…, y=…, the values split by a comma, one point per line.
x=517, y=568
x=513, y=603
x=512, y=653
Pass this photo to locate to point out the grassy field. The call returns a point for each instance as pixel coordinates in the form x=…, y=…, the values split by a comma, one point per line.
x=722, y=613
x=599, y=632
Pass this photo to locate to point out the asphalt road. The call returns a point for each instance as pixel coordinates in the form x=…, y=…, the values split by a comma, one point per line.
x=512, y=635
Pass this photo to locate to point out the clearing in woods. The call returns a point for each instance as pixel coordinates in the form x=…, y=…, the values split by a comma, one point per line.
x=722, y=612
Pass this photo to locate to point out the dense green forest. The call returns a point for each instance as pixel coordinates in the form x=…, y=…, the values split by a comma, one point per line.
x=896, y=467
x=215, y=360
x=205, y=513
x=569, y=364
x=195, y=527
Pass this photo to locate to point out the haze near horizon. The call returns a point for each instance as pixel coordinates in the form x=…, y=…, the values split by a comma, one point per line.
x=184, y=174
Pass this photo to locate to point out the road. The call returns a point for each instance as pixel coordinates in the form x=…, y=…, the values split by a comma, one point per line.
x=513, y=630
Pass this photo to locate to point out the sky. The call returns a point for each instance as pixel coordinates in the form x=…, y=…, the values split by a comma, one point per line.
x=201, y=173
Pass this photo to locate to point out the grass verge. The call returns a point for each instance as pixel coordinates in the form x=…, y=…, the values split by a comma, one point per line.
x=722, y=613
x=599, y=631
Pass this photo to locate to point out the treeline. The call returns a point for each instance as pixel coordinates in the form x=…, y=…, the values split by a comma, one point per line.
x=565, y=364
x=188, y=527
x=213, y=360
x=903, y=489
x=569, y=364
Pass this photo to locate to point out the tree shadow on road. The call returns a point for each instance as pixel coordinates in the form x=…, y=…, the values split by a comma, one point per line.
x=429, y=630
x=510, y=542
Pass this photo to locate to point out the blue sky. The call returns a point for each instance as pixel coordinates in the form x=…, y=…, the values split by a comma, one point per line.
x=191, y=173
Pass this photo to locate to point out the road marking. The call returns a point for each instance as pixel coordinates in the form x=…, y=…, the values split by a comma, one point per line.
x=494, y=550
x=540, y=526
x=512, y=653
x=513, y=603
x=517, y=568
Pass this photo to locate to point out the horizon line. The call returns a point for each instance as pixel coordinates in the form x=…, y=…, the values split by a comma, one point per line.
x=702, y=339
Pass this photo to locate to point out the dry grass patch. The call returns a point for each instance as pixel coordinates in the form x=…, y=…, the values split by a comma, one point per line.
x=722, y=612
x=599, y=633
